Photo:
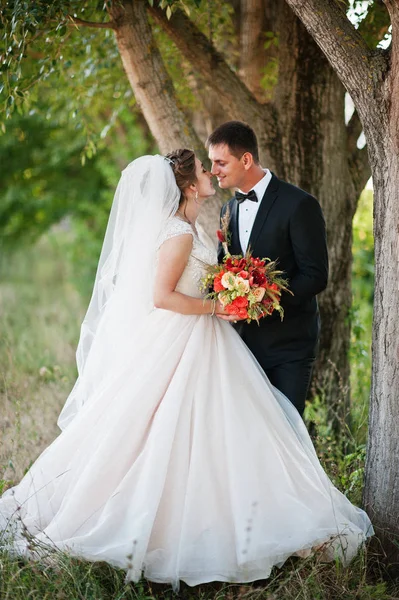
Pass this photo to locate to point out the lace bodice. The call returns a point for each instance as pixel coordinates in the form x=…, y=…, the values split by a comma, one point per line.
x=201, y=256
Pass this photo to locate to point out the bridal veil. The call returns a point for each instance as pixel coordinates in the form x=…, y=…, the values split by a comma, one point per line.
x=147, y=195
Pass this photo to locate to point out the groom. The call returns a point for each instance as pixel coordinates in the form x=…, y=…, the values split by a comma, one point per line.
x=278, y=221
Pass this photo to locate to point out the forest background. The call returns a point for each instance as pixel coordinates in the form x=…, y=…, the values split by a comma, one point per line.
x=72, y=121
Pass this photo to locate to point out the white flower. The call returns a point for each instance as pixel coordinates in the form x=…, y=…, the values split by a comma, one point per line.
x=258, y=294
x=228, y=281
x=224, y=299
x=242, y=285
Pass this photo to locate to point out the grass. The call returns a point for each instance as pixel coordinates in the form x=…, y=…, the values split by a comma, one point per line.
x=70, y=579
x=40, y=316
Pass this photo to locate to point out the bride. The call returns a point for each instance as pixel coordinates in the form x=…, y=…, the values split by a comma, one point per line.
x=177, y=458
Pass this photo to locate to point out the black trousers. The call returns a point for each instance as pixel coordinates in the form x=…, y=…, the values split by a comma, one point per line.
x=293, y=379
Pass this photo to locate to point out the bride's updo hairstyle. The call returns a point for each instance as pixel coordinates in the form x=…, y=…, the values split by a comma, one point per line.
x=182, y=162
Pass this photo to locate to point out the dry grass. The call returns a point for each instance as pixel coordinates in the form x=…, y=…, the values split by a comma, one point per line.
x=40, y=314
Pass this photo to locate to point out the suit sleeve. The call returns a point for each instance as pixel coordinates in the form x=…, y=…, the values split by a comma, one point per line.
x=309, y=243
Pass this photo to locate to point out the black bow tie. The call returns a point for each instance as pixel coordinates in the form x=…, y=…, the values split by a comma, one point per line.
x=250, y=196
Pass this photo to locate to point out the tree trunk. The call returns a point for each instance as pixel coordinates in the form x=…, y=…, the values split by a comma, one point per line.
x=253, y=58
x=381, y=492
x=146, y=73
x=153, y=88
x=313, y=149
x=381, y=495
x=372, y=79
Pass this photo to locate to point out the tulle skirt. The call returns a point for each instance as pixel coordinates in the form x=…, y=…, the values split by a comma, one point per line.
x=186, y=464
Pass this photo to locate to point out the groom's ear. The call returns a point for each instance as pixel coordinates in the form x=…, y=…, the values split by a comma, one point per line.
x=247, y=160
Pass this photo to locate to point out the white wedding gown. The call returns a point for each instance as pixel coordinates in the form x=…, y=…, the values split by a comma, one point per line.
x=188, y=465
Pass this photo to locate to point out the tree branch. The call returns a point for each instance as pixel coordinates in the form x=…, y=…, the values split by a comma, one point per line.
x=76, y=21
x=252, y=53
x=149, y=80
x=238, y=101
x=342, y=44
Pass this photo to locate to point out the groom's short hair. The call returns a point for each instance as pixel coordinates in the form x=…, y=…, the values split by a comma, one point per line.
x=238, y=136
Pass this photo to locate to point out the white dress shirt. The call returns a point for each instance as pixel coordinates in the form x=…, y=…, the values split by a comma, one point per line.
x=248, y=209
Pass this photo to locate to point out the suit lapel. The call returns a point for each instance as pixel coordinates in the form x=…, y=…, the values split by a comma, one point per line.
x=235, y=246
x=264, y=209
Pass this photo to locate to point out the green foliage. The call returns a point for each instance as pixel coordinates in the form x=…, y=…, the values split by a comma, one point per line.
x=373, y=19
x=352, y=440
x=79, y=65
x=362, y=305
x=44, y=181
x=344, y=458
x=42, y=44
x=43, y=178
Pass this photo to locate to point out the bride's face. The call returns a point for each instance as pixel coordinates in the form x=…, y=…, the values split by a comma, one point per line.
x=203, y=185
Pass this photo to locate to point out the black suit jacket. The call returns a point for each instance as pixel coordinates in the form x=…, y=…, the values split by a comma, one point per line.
x=289, y=227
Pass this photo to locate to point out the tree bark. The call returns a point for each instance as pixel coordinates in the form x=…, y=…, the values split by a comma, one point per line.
x=147, y=75
x=214, y=70
x=314, y=145
x=373, y=79
x=252, y=40
x=153, y=88
x=381, y=492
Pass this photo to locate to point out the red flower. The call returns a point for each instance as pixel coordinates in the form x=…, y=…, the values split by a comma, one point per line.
x=229, y=264
x=257, y=262
x=258, y=277
x=217, y=285
x=235, y=265
x=220, y=236
x=231, y=309
x=240, y=302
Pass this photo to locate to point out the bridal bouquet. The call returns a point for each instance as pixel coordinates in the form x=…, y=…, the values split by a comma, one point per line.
x=249, y=288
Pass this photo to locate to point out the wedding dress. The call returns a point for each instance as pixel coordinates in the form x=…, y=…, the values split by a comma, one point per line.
x=185, y=464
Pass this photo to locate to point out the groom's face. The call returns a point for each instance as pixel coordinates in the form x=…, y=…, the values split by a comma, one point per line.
x=228, y=169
